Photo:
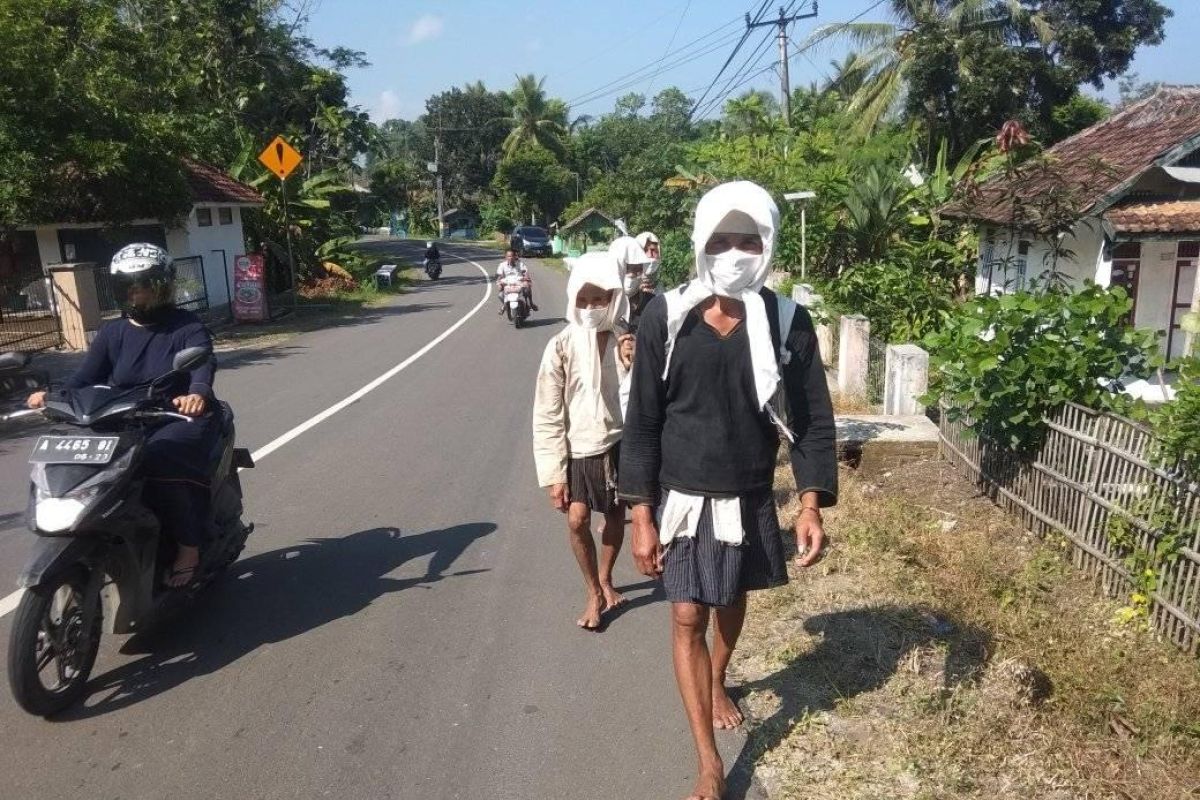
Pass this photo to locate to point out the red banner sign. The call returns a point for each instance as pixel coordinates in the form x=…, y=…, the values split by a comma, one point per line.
x=249, y=289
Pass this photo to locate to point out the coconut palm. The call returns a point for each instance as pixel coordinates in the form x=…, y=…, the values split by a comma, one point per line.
x=886, y=50
x=536, y=119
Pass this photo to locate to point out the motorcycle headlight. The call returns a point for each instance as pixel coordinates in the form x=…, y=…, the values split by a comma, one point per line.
x=55, y=514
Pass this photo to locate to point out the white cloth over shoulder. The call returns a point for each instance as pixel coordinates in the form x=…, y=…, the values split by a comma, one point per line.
x=680, y=518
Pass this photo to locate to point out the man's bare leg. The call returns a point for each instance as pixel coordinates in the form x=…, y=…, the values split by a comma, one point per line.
x=727, y=627
x=693, y=673
x=579, y=525
x=612, y=536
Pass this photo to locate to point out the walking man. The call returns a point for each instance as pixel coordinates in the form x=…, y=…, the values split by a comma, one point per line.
x=577, y=425
x=724, y=369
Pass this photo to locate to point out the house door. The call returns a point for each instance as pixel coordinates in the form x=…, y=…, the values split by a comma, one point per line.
x=1181, y=301
x=1127, y=260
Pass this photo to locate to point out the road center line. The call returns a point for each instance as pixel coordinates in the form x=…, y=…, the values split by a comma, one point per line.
x=9, y=604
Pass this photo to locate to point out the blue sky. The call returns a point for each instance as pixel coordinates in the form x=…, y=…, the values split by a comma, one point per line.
x=417, y=49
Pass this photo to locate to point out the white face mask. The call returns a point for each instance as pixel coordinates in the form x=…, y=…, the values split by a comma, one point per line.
x=593, y=318
x=633, y=284
x=733, y=270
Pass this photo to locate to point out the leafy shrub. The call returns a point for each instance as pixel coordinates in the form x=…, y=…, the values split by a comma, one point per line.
x=1178, y=423
x=903, y=301
x=1004, y=363
x=678, y=259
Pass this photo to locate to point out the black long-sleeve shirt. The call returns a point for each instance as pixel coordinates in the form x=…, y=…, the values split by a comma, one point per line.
x=701, y=430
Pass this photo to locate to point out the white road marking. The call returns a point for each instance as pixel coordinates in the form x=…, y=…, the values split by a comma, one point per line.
x=9, y=604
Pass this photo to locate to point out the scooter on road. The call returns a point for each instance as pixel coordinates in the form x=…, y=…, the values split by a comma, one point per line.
x=99, y=554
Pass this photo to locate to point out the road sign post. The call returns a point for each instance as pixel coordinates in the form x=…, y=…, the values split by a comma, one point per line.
x=281, y=158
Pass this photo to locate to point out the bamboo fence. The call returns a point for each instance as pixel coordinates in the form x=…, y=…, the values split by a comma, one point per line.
x=1093, y=468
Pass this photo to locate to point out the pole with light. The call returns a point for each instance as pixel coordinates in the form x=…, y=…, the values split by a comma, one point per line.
x=802, y=198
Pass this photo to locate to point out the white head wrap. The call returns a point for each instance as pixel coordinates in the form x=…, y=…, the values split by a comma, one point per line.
x=627, y=251
x=738, y=207
x=601, y=270
x=643, y=239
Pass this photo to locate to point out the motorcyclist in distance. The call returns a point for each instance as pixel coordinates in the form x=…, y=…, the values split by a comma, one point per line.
x=510, y=266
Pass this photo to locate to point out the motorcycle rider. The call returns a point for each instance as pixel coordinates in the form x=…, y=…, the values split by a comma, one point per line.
x=431, y=253
x=514, y=266
x=131, y=353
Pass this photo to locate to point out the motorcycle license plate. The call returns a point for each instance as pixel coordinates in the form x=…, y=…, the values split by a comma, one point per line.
x=74, y=450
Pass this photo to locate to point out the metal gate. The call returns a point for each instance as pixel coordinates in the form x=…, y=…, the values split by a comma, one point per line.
x=27, y=317
x=191, y=287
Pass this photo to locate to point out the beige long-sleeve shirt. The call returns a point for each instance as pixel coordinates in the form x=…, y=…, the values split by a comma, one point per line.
x=574, y=415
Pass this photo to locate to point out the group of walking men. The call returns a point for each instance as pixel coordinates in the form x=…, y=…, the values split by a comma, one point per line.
x=673, y=405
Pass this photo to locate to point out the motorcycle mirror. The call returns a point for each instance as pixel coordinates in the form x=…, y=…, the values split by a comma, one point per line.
x=14, y=359
x=188, y=359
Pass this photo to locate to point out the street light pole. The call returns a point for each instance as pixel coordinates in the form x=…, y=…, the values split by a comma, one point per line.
x=802, y=198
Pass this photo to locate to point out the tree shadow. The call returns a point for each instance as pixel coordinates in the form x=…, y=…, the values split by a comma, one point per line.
x=542, y=322
x=273, y=597
x=859, y=651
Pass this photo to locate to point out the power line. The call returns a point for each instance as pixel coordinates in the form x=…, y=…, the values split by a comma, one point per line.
x=599, y=91
x=750, y=64
x=623, y=43
x=678, y=25
x=737, y=48
x=637, y=79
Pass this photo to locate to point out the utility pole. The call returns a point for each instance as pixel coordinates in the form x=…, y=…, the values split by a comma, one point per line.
x=785, y=85
x=437, y=167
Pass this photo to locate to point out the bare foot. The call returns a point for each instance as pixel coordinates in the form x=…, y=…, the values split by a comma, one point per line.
x=709, y=786
x=590, y=620
x=612, y=598
x=726, y=714
x=183, y=571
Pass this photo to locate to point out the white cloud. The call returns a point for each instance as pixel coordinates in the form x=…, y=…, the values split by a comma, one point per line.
x=388, y=106
x=426, y=28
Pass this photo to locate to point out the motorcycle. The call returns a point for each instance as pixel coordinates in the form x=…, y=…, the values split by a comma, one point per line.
x=433, y=268
x=516, y=302
x=99, y=555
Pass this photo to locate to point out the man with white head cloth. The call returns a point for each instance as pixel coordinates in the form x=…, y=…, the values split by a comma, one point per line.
x=577, y=425
x=636, y=267
x=725, y=369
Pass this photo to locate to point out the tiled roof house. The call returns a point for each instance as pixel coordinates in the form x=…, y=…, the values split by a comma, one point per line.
x=1137, y=175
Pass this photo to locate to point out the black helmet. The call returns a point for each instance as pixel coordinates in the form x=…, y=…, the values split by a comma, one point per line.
x=145, y=266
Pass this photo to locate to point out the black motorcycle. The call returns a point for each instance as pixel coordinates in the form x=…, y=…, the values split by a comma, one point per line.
x=17, y=378
x=433, y=268
x=99, y=556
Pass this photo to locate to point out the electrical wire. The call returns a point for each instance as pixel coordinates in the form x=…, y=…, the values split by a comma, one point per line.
x=737, y=48
x=749, y=65
x=678, y=25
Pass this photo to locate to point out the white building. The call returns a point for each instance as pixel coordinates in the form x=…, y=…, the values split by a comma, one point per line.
x=1139, y=171
x=204, y=244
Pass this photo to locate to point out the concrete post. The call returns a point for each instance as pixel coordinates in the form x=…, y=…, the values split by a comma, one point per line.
x=775, y=279
x=906, y=380
x=802, y=294
x=77, y=302
x=854, y=350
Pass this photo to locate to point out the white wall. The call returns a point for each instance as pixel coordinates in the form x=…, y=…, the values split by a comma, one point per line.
x=209, y=242
x=1156, y=287
x=1085, y=242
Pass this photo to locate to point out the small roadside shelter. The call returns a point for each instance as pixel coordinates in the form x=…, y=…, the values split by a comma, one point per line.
x=592, y=227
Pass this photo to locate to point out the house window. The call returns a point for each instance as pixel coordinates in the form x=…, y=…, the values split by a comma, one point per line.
x=1186, y=261
x=1126, y=263
x=225, y=215
x=204, y=217
x=1021, y=263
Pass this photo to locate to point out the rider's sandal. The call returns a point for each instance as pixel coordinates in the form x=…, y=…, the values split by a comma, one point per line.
x=190, y=572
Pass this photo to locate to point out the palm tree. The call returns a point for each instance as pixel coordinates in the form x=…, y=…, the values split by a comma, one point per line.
x=754, y=112
x=886, y=50
x=536, y=119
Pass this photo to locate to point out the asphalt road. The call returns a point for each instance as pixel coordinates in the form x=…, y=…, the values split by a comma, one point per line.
x=402, y=622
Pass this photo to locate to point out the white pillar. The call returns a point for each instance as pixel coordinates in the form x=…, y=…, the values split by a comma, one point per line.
x=906, y=380
x=854, y=349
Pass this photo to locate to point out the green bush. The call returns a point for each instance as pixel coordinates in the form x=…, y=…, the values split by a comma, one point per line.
x=904, y=301
x=678, y=259
x=1178, y=423
x=1005, y=362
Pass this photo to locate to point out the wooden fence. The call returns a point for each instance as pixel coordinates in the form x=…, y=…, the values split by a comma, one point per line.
x=1094, y=470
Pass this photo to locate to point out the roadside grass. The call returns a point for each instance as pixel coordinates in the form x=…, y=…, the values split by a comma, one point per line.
x=940, y=651
x=339, y=308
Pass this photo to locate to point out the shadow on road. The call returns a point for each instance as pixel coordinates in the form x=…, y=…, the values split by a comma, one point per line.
x=859, y=651
x=273, y=597
x=542, y=322
x=656, y=594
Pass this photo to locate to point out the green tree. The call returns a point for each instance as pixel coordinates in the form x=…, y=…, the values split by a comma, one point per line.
x=536, y=179
x=470, y=125
x=536, y=118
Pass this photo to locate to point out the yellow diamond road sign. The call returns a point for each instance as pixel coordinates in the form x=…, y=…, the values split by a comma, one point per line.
x=280, y=157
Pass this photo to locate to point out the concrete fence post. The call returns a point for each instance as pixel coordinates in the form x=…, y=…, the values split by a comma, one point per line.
x=854, y=350
x=77, y=302
x=802, y=294
x=906, y=380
